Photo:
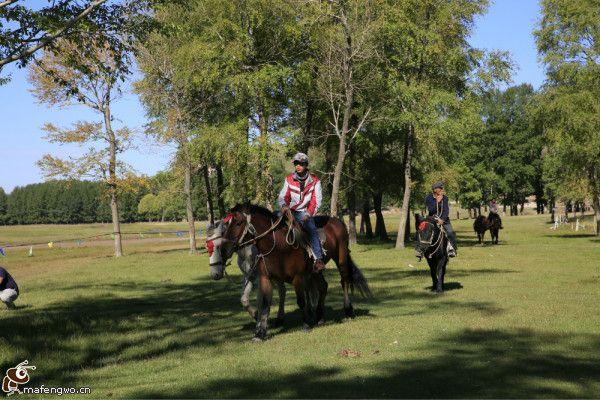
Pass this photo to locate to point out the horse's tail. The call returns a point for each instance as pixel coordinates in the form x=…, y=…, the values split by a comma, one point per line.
x=358, y=280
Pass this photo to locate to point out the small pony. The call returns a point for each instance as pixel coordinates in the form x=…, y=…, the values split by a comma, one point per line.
x=432, y=241
x=493, y=222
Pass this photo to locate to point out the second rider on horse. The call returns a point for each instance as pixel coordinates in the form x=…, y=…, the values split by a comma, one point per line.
x=439, y=209
x=301, y=193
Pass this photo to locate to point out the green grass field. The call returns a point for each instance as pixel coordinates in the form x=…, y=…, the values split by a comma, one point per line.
x=519, y=320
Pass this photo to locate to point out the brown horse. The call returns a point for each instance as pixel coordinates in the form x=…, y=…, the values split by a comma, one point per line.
x=281, y=259
x=493, y=222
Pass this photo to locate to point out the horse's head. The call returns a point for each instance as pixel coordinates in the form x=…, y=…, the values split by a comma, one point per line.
x=214, y=240
x=222, y=241
x=427, y=232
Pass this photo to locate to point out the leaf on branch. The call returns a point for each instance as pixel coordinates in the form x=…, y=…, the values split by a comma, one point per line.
x=82, y=132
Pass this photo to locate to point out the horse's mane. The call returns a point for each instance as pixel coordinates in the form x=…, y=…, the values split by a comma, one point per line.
x=254, y=209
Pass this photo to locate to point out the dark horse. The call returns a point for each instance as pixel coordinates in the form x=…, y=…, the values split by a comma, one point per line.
x=281, y=259
x=493, y=222
x=433, y=242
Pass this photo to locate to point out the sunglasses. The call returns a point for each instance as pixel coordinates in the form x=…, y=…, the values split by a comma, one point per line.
x=304, y=164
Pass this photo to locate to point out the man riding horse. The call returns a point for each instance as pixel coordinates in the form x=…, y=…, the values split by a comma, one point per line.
x=438, y=207
x=301, y=193
x=494, y=212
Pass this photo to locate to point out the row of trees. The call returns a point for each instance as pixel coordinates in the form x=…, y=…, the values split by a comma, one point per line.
x=386, y=96
x=75, y=202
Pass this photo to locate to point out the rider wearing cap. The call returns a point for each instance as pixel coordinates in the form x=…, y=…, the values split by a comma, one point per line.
x=438, y=207
x=301, y=193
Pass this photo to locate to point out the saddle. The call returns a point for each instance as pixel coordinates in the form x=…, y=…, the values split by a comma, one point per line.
x=298, y=236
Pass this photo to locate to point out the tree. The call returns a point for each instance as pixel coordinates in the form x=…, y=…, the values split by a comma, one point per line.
x=90, y=75
x=569, y=41
x=430, y=62
x=25, y=30
x=167, y=102
x=3, y=206
x=346, y=52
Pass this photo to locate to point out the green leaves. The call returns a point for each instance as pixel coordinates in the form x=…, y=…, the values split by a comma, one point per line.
x=569, y=41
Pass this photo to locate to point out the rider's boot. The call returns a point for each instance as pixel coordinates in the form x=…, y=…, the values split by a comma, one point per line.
x=451, y=250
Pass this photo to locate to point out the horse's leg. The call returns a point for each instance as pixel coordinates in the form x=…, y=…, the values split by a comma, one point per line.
x=246, y=290
x=432, y=270
x=440, y=269
x=300, y=288
x=344, y=265
x=281, y=311
x=322, y=285
x=443, y=273
x=265, y=295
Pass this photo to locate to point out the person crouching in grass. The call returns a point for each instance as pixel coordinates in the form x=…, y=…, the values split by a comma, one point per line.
x=9, y=291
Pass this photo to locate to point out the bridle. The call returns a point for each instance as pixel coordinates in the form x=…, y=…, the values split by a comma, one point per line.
x=250, y=229
x=431, y=243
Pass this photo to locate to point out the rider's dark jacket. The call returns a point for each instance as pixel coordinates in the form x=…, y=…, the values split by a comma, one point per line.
x=441, y=210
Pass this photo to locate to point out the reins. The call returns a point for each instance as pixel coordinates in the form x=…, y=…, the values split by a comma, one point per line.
x=249, y=227
x=437, y=244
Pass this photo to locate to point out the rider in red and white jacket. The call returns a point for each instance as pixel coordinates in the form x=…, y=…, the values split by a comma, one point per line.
x=302, y=194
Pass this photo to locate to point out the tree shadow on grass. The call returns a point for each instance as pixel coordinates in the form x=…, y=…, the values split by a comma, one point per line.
x=503, y=363
x=103, y=325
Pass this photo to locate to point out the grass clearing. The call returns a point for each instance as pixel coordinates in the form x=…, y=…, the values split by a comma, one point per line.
x=519, y=319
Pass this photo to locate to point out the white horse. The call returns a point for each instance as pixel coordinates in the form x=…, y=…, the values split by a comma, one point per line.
x=247, y=263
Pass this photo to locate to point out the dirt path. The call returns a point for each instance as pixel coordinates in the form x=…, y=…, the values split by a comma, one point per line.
x=98, y=243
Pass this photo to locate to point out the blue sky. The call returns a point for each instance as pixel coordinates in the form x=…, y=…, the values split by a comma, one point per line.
x=508, y=25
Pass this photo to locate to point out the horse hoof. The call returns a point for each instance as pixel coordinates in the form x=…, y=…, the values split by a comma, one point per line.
x=306, y=328
x=321, y=322
x=257, y=339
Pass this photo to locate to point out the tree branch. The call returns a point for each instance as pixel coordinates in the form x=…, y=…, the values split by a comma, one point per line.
x=44, y=42
x=7, y=3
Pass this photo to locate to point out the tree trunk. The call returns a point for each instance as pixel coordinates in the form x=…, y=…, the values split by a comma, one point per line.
x=220, y=190
x=209, y=201
x=337, y=174
x=408, y=150
x=351, y=199
x=112, y=182
x=552, y=206
x=308, y=124
x=407, y=230
x=265, y=182
x=522, y=208
x=329, y=156
x=380, y=230
x=189, y=210
x=347, y=112
x=365, y=220
x=596, y=204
